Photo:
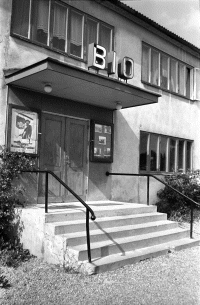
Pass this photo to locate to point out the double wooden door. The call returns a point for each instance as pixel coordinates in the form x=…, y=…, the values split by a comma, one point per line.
x=64, y=145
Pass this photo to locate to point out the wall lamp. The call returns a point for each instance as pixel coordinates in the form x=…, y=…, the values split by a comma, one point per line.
x=47, y=88
x=118, y=106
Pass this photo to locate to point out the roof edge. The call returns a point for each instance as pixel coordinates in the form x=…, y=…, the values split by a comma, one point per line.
x=151, y=22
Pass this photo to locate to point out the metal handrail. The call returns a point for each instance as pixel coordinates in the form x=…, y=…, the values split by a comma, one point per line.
x=169, y=186
x=88, y=209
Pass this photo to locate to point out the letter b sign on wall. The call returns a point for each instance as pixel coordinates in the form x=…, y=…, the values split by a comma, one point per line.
x=96, y=56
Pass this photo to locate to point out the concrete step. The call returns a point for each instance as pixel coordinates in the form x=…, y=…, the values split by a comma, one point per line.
x=79, y=238
x=103, y=223
x=122, y=245
x=79, y=212
x=115, y=261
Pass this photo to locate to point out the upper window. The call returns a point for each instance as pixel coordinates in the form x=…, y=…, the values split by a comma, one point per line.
x=162, y=70
x=58, y=26
x=159, y=153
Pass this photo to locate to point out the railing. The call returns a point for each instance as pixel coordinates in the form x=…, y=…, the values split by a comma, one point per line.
x=192, y=202
x=88, y=209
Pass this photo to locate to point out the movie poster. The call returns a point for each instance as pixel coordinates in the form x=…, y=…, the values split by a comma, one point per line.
x=24, y=131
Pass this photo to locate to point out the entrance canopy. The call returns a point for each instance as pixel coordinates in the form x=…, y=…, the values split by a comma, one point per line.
x=73, y=83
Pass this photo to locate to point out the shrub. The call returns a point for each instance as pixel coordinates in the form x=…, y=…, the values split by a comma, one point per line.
x=176, y=206
x=11, y=164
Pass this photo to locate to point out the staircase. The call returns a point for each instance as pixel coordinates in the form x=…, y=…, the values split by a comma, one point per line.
x=122, y=234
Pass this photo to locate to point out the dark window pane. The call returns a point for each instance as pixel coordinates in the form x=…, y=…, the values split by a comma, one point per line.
x=154, y=67
x=145, y=63
x=91, y=31
x=164, y=71
x=187, y=82
x=76, y=34
x=40, y=21
x=172, y=151
x=163, y=153
x=20, y=17
x=59, y=27
x=143, y=150
x=180, y=155
x=105, y=37
x=189, y=155
x=153, y=152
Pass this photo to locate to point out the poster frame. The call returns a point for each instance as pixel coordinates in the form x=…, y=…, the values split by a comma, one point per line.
x=33, y=112
x=101, y=139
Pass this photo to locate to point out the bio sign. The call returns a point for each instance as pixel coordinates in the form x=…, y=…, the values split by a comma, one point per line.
x=100, y=59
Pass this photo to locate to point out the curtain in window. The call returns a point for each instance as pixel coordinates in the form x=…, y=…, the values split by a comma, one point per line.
x=59, y=26
x=76, y=29
x=43, y=15
x=105, y=37
x=164, y=72
x=91, y=31
x=173, y=75
x=154, y=67
x=21, y=17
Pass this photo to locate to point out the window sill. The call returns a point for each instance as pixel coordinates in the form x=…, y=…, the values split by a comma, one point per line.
x=47, y=47
x=166, y=90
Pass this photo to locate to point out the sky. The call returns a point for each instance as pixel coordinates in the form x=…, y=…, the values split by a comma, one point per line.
x=181, y=17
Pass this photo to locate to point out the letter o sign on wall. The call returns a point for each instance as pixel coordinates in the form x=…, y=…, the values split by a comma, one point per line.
x=126, y=68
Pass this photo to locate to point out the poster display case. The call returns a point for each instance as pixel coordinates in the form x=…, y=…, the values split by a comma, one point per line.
x=23, y=131
x=101, y=139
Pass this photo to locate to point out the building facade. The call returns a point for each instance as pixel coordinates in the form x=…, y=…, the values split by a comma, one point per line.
x=73, y=75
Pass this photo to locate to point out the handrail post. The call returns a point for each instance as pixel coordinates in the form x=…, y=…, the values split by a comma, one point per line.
x=191, y=220
x=88, y=236
x=147, y=190
x=46, y=191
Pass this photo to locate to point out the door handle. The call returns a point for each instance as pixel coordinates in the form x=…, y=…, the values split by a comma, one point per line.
x=67, y=160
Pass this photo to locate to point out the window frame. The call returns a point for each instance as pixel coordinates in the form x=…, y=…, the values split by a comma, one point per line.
x=186, y=91
x=167, y=153
x=49, y=44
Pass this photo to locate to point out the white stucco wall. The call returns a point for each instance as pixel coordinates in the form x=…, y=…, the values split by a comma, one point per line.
x=173, y=115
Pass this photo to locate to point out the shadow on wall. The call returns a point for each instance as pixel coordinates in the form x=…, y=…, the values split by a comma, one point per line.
x=126, y=158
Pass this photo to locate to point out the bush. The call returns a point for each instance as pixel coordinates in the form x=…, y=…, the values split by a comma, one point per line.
x=176, y=206
x=11, y=164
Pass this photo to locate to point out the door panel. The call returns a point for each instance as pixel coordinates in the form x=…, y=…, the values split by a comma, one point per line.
x=53, y=131
x=64, y=151
x=76, y=157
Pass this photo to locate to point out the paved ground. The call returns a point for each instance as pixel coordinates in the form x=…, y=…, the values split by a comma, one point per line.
x=167, y=280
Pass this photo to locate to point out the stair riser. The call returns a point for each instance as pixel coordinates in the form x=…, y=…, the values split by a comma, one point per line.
x=132, y=232
x=143, y=255
x=80, y=227
x=60, y=217
x=131, y=246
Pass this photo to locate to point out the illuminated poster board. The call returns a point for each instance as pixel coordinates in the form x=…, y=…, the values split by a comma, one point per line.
x=101, y=139
x=23, y=131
